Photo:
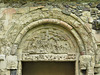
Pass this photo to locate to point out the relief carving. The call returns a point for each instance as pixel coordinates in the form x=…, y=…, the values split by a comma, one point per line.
x=45, y=41
x=12, y=62
x=48, y=57
x=86, y=61
x=48, y=40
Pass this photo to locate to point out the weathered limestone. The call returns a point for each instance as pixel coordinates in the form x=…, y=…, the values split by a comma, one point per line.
x=50, y=32
x=86, y=61
x=2, y=57
x=49, y=57
x=3, y=67
x=11, y=62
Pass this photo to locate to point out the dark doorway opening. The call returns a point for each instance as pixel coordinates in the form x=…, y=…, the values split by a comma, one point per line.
x=48, y=68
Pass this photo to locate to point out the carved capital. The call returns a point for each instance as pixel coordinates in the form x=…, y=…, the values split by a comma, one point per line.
x=12, y=62
x=86, y=61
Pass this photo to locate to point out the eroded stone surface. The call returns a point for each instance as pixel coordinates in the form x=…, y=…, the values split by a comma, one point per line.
x=50, y=31
x=2, y=57
x=11, y=62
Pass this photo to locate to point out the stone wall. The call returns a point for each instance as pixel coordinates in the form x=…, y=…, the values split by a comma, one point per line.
x=24, y=1
x=18, y=24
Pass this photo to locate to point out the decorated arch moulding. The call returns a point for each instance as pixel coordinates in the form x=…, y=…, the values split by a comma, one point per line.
x=82, y=37
x=53, y=21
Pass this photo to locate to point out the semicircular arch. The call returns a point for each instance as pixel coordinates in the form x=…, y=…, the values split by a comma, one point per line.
x=55, y=22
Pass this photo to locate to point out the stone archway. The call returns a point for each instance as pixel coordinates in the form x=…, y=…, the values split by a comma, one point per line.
x=49, y=40
x=74, y=34
x=71, y=32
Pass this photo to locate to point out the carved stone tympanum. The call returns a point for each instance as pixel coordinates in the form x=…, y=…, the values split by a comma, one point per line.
x=49, y=39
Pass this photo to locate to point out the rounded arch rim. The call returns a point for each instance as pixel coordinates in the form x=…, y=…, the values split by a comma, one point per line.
x=53, y=21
